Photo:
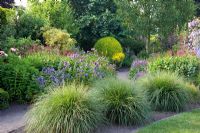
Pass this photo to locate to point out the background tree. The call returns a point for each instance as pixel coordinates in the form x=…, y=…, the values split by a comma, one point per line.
x=148, y=17
x=58, y=13
x=96, y=19
x=172, y=17
x=197, y=2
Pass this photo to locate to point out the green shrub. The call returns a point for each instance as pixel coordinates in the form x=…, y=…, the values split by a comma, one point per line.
x=58, y=39
x=3, y=19
x=194, y=93
x=124, y=104
x=166, y=91
x=143, y=55
x=133, y=45
x=30, y=25
x=68, y=109
x=108, y=46
x=187, y=66
x=4, y=99
x=80, y=67
x=22, y=44
x=128, y=61
x=17, y=77
x=44, y=59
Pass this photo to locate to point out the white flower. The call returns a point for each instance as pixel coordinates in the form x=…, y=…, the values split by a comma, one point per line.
x=6, y=55
x=13, y=49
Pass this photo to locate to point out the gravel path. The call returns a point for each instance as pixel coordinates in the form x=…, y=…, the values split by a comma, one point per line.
x=12, y=118
x=123, y=74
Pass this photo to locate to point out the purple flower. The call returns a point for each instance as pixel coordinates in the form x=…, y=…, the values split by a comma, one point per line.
x=41, y=80
x=48, y=70
x=140, y=74
x=55, y=80
x=75, y=55
x=96, y=64
x=139, y=63
x=66, y=64
x=197, y=51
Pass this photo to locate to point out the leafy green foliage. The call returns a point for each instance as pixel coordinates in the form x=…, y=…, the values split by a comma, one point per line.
x=96, y=19
x=4, y=99
x=124, y=104
x=7, y=25
x=17, y=77
x=90, y=6
x=59, y=14
x=160, y=17
x=194, y=93
x=30, y=25
x=187, y=66
x=22, y=44
x=128, y=60
x=58, y=39
x=3, y=19
x=169, y=11
x=166, y=91
x=108, y=46
x=69, y=109
x=132, y=46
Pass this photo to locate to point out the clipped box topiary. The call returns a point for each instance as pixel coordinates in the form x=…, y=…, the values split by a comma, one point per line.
x=111, y=48
x=4, y=99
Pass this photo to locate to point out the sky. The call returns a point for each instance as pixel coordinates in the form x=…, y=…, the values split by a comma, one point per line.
x=21, y=3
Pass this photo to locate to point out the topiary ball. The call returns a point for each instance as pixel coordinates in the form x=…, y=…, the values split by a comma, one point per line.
x=166, y=91
x=4, y=99
x=124, y=104
x=108, y=46
x=69, y=109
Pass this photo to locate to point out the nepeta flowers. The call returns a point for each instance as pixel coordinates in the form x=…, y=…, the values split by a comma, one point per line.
x=138, y=69
x=78, y=67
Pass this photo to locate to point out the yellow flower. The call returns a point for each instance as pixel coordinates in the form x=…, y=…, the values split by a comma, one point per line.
x=118, y=57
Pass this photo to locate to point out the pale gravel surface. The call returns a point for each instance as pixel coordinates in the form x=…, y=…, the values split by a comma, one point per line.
x=12, y=118
x=123, y=74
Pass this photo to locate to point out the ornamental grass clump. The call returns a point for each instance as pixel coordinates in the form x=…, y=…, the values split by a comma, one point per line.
x=166, y=91
x=124, y=104
x=69, y=109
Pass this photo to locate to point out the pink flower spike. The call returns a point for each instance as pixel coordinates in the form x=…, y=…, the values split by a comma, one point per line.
x=2, y=53
x=13, y=49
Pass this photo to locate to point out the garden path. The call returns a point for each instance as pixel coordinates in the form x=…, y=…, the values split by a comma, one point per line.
x=123, y=74
x=12, y=119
